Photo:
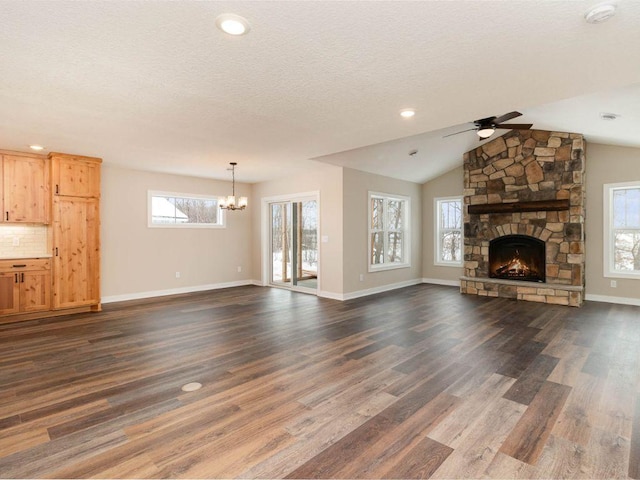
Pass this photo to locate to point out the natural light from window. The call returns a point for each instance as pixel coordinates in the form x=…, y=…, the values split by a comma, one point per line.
x=622, y=230
x=389, y=239
x=184, y=210
x=448, y=228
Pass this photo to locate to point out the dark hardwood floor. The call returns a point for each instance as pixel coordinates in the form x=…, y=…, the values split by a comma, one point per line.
x=420, y=382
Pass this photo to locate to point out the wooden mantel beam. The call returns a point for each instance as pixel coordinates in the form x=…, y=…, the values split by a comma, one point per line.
x=517, y=207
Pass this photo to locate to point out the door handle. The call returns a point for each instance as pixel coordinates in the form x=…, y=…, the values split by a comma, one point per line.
x=56, y=251
x=16, y=276
x=22, y=278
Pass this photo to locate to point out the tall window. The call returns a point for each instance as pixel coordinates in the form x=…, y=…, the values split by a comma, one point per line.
x=389, y=238
x=448, y=230
x=184, y=210
x=622, y=229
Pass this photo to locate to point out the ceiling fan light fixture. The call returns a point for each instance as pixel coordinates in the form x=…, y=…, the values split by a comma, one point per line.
x=600, y=13
x=485, y=132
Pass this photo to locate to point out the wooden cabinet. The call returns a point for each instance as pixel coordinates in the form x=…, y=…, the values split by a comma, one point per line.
x=25, y=189
x=25, y=286
x=76, y=227
x=76, y=231
x=75, y=176
x=9, y=293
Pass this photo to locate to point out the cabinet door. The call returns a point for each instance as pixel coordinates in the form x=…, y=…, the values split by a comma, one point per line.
x=35, y=291
x=76, y=176
x=76, y=266
x=9, y=293
x=26, y=189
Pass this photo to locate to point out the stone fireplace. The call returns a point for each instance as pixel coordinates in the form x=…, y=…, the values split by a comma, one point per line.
x=524, y=218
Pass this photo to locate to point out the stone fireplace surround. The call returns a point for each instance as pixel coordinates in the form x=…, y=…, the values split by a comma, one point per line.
x=527, y=182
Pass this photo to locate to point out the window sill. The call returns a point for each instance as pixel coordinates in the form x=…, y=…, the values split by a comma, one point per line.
x=381, y=268
x=622, y=275
x=448, y=264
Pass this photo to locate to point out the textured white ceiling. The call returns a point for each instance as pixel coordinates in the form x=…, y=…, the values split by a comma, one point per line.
x=154, y=85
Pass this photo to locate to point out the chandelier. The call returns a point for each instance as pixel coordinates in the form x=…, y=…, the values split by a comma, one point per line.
x=229, y=203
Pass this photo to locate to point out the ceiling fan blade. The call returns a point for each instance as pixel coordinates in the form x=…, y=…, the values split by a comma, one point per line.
x=515, y=126
x=505, y=117
x=468, y=130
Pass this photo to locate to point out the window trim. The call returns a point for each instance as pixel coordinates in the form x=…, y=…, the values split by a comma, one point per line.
x=159, y=193
x=436, y=210
x=406, y=219
x=607, y=220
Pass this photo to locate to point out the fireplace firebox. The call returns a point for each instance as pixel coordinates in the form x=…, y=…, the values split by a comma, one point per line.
x=517, y=257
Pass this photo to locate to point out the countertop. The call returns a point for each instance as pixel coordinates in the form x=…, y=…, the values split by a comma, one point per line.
x=23, y=257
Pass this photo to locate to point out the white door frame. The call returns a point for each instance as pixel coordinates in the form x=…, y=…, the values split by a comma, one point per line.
x=265, y=239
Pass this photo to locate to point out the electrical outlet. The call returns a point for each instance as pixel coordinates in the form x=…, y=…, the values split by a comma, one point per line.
x=239, y=269
x=16, y=241
x=614, y=284
x=177, y=274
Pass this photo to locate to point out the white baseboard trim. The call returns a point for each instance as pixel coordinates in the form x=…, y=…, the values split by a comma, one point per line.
x=177, y=291
x=608, y=299
x=439, y=281
x=331, y=295
x=380, y=289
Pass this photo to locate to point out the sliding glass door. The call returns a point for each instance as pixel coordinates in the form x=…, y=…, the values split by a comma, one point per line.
x=293, y=245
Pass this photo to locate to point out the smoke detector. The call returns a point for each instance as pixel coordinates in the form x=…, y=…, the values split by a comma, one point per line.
x=600, y=13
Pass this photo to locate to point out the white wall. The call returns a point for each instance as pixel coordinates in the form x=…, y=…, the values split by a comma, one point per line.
x=448, y=185
x=606, y=164
x=357, y=185
x=326, y=179
x=139, y=261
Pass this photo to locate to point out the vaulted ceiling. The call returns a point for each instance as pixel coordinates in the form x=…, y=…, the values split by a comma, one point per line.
x=156, y=86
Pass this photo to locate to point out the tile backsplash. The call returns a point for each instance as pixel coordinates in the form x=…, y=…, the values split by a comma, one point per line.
x=30, y=240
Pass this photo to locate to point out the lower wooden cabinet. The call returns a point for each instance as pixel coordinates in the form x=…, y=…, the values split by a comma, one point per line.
x=25, y=286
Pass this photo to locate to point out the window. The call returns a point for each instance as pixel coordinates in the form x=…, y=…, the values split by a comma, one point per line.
x=622, y=230
x=389, y=239
x=184, y=210
x=448, y=230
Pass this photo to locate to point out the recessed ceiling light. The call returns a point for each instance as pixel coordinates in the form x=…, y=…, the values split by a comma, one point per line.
x=608, y=116
x=600, y=13
x=232, y=24
x=407, y=112
x=36, y=147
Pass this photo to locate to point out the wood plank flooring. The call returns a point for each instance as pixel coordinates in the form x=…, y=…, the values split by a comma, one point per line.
x=420, y=382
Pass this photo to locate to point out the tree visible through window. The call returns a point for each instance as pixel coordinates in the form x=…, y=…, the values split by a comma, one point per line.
x=388, y=231
x=623, y=238
x=184, y=210
x=448, y=231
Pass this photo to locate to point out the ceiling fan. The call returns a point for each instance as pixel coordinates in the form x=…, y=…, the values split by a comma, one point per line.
x=485, y=127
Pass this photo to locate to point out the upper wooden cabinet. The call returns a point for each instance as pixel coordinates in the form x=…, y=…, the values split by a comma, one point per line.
x=75, y=176
x=25, y=189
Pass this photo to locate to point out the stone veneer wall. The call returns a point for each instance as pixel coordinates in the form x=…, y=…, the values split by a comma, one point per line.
x=523, y=166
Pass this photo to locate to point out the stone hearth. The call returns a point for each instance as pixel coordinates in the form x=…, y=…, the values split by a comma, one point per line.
x=530, y=183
